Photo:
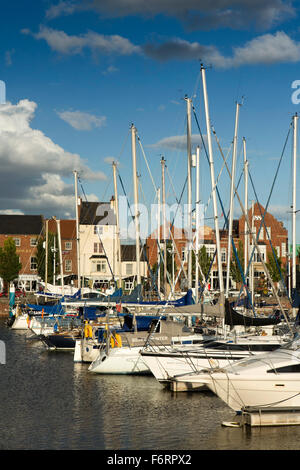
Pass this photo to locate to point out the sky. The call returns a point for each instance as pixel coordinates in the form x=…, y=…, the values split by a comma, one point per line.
x=78, y=74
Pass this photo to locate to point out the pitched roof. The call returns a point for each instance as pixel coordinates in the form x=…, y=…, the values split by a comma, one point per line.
x=21, y=224
x=96, y=213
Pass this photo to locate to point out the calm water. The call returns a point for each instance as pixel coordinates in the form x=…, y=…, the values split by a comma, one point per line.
x=48, y=402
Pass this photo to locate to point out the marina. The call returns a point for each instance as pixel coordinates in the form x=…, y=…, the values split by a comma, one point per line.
x=149, y=227
x=63, y=406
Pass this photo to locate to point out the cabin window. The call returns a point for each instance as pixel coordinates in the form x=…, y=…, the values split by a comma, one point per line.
x=292, y=368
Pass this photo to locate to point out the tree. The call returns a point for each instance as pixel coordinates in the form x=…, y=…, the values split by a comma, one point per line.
x=9, y=261
x=41, y=257
x=274, y=267
x=235, y=271
x=204, y=261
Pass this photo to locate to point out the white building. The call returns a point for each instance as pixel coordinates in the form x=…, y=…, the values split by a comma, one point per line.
x=98, y=247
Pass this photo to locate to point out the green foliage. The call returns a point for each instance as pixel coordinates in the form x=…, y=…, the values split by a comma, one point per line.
x=234, y=267
x=204, y=261
x=9, y=261
x=274, y=267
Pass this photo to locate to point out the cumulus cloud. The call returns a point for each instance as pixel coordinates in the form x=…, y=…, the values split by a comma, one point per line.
x=33, y=167
x=82, y=121
x=264, y=49
x=66, y=44
x=194, y=14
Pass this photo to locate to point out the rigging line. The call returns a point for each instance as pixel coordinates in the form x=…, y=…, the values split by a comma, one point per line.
x=139, y=141
x=254, y=241
x=143, y=246
x=267, y=232
x=271, y=191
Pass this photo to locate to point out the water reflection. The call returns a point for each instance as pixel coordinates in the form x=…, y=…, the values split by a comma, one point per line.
x=49, y=402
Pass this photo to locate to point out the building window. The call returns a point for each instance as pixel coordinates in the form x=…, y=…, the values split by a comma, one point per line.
x=283, y=250
x=101, y=267
x=278, y=251
x=183, y=254
x=68, y=245
x=68, y=265
x=17, y=241
x=128, y=285
x=33, y=263
x=269, y=232
x=98, y=247
x=129, y=268
x=223, y=255
x=33, y=241
x=98, y=230
x=261, y=233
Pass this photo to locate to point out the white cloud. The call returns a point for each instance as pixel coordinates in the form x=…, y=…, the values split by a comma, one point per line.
x=111, y=160
x=33, y=167
x=82, y=121
x=177, y=142
x=194, y=14
x=264, y=49
x=61, y=42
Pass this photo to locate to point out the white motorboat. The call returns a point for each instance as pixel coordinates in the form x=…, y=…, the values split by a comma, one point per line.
x=268, y=381
x=176, y=363
x=123, y=354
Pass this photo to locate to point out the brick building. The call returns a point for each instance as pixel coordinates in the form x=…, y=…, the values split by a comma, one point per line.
x=25, y=231
x=273, y=229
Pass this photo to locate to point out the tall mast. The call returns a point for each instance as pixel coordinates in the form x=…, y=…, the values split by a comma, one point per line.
x=246, y=242
x=118, y=224
x=163, y=187
x=77, y=230
x=136, y=214
x=231, y=198
x=189, y=190
x=60, y=258
x=158, y=241
x=212, y=174
x=197, y=220
x=46, y=255
x=295, y=119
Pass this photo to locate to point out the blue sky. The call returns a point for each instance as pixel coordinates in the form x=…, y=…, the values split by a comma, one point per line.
x=77, y=75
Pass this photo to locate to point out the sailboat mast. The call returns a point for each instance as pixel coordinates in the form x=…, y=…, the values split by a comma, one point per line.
x=163, y=187
x=246, y=238
x=295, y=120
x=77, y=230
x=46, y=255
x=231, y=198
x=60, y=257
x=118, y=224
x=212, y=174
x=136, y=212
x=189, y=190
x=158, y=241
x=197, y=221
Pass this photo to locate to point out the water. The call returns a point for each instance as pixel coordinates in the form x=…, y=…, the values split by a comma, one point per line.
x=49, y=402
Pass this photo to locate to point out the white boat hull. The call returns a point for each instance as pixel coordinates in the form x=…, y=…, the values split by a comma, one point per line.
x=20, y=323
x=282, y=391
x=120, y=361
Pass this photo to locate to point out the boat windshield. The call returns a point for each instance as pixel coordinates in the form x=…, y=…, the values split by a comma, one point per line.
x=294, y=344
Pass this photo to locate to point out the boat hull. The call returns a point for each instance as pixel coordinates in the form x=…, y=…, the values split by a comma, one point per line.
x=120, y=361
x=282, y=391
